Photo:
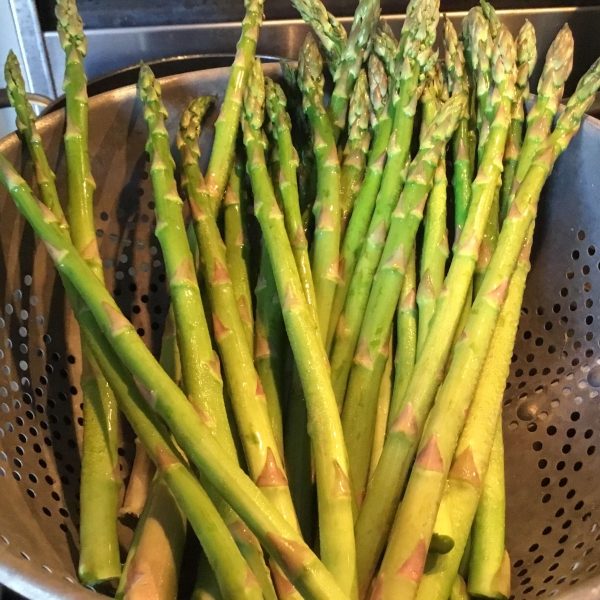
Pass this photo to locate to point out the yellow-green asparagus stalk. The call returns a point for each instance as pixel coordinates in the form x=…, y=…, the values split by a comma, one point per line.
x=325, y=251
x=200, y=366
x=100, y=483
x=353, y=55
x=435, y=240
x=226, y=127
x=354, y=159
x=406, y=338
x=237, y=243
x=154, y=557
x=383, y=408
x=381, y=123
x=471, y=457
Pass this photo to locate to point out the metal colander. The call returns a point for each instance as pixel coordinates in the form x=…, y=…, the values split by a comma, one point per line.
x=552, y=409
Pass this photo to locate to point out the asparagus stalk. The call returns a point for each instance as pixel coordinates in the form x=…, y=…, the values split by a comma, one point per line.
x=154, y=557
x=383, y=408
x=335, y=510
x=226, y=127
x=201, y=376
x=356, y=148
x=353, y=55
x=298, y=461
x=359, y=407
x=247, y=394
x=406, y=334
x=419, y=36
x=100, y=484
x=414, y=522
x=269, y=344
x=459, y=589
x=191, y=432
x=287, y=184
x=200, y=367
x=140, y=481
x=325, y=252
x=463, y=489
x=557, y=68
x=237, y=250
x=332, y=35
x=385, y=47
x=489, y=572
x=526, y=59
x=381, y=123
x=435, y=241
x=383, y=494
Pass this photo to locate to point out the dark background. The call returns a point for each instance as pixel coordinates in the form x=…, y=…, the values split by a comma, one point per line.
x=129, y=13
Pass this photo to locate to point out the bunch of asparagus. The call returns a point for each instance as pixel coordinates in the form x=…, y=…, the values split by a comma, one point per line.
x=358, y=436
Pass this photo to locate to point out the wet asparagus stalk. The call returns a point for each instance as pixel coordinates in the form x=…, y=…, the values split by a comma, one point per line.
x=100, y=484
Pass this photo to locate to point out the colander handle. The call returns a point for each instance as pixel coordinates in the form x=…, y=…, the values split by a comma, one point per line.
x=38, y=99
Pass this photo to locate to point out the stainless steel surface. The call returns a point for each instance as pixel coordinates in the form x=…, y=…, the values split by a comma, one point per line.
x=35, y=65
x=111, y=49
x=552, y=412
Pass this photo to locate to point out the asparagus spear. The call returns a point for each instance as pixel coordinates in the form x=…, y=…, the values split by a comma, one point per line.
x=419, y=35
x=297, y=441
x=489, y=571
x=557, y=67
x=353, y=55
x=384, y=491
x=415, y=519
x=385, y=46
x=383, y=407
x=140, y=480
x=359, y=407
x=100, y=484
x=269, y=344
x=335, y=510
x=201, y=374
x=154, y=557
x=332, y=35
x=463, y=489
x=381, y=123
x=191, y=433
x=226, y=127
x=463, y=167
x=356, y=148
x=526, y=59
x=247, y=394
x=325, y=252
x=237, y=250
x=287, y=184
x=201, y=377
x=406, y=344
x=435, y=241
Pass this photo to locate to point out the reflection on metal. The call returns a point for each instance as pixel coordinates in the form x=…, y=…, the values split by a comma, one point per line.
x=36, y=70
x=111, y=49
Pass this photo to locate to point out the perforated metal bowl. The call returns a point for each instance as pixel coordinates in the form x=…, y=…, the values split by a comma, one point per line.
x=552, y=412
